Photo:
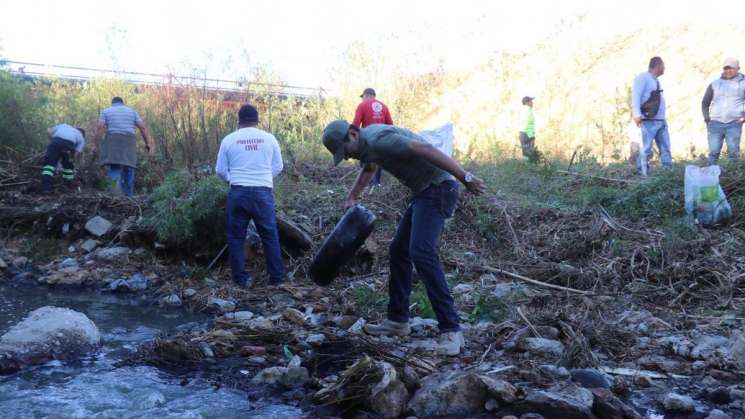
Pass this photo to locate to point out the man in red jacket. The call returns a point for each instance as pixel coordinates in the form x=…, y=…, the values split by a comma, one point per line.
x=372, y=111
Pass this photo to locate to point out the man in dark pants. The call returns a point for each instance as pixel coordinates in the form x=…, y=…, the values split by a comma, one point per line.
x=430, y=175
x=249, y=159
x=65, y=142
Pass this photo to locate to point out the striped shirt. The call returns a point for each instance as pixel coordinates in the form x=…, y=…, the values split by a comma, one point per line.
x=120, y=119
x=69, y=133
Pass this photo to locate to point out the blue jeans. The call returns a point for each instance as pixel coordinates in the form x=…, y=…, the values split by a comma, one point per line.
x=656, y=130
x=719, y=131
x=415, y=246
x=123, y=177
x=252, y=203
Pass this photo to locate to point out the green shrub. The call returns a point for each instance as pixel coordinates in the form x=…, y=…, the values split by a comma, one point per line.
x=368, y=300
x=189, y=211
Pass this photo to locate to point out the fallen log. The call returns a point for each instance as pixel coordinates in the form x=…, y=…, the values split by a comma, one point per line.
x=291, y=235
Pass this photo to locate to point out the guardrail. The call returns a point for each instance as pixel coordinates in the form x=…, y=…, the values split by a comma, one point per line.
x=84, y=74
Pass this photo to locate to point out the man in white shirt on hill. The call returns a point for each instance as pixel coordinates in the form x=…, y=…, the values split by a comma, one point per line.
x=249, y=159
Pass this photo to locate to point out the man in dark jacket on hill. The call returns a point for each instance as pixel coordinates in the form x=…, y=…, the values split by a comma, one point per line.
x=723, y=107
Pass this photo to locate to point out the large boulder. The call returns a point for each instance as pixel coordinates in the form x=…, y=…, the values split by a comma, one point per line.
x=47, y=333
x=458, y=394
x=566, y=401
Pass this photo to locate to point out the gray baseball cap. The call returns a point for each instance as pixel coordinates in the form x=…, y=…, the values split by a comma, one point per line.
x=334, y=137
x=731, y=62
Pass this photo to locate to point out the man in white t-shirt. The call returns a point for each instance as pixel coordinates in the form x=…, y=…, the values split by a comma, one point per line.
x=65, y=142
x=249, y=159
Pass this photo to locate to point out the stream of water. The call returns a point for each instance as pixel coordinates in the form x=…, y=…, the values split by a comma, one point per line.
x=94, y=386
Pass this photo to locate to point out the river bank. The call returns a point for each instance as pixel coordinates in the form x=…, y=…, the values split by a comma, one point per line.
x=575, y=312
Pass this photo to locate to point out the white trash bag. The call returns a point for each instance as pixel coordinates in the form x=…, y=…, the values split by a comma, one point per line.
x=705, y=201
x=441, y=138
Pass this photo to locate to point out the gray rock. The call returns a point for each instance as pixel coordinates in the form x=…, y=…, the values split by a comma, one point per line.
x=674, y=402
x=356, y=328
x=718, y=414
x=315, y=339
x=590, y=378
x=287, y=376
x=567, y=401
x=72, y=276
x=190, y=292
x=458, y=394
x=112, y=253
x=708, y=346
x=47, y=333
x=256, y=360
x=3, y=265
x=607, y=406
x=678, y=345
x=69, y=263
x=135, y=283
x=390, y=402
x=240, y=316
x=294, y=315
x=553, y=371
x=98, y=226
x=543, y=347
x=172, y=300
x=206, y=350
x=736, y=352
x=220, y=304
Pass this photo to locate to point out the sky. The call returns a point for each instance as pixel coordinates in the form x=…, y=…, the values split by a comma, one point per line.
x=303, y=41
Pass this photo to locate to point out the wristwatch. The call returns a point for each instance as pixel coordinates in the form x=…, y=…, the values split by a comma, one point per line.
x=468, y=177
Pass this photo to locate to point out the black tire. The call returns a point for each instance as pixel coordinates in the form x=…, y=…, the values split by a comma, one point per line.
x=341, y=245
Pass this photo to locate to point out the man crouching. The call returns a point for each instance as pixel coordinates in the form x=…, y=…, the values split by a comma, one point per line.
x=430, y=175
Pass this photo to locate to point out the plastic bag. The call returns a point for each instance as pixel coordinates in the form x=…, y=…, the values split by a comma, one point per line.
x=341, y=245
x=705, y=201
x=441, y=138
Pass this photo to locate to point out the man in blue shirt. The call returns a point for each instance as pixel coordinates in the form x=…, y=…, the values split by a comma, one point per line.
x=651, y=119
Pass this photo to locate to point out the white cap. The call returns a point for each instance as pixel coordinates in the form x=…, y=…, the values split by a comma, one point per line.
x=731, y=62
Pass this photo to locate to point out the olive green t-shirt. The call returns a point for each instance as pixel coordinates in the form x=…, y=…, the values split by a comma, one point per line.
x=387, y=146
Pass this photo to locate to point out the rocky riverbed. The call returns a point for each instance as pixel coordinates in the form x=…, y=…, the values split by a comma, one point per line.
x=304, y=345
x=567, y=314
